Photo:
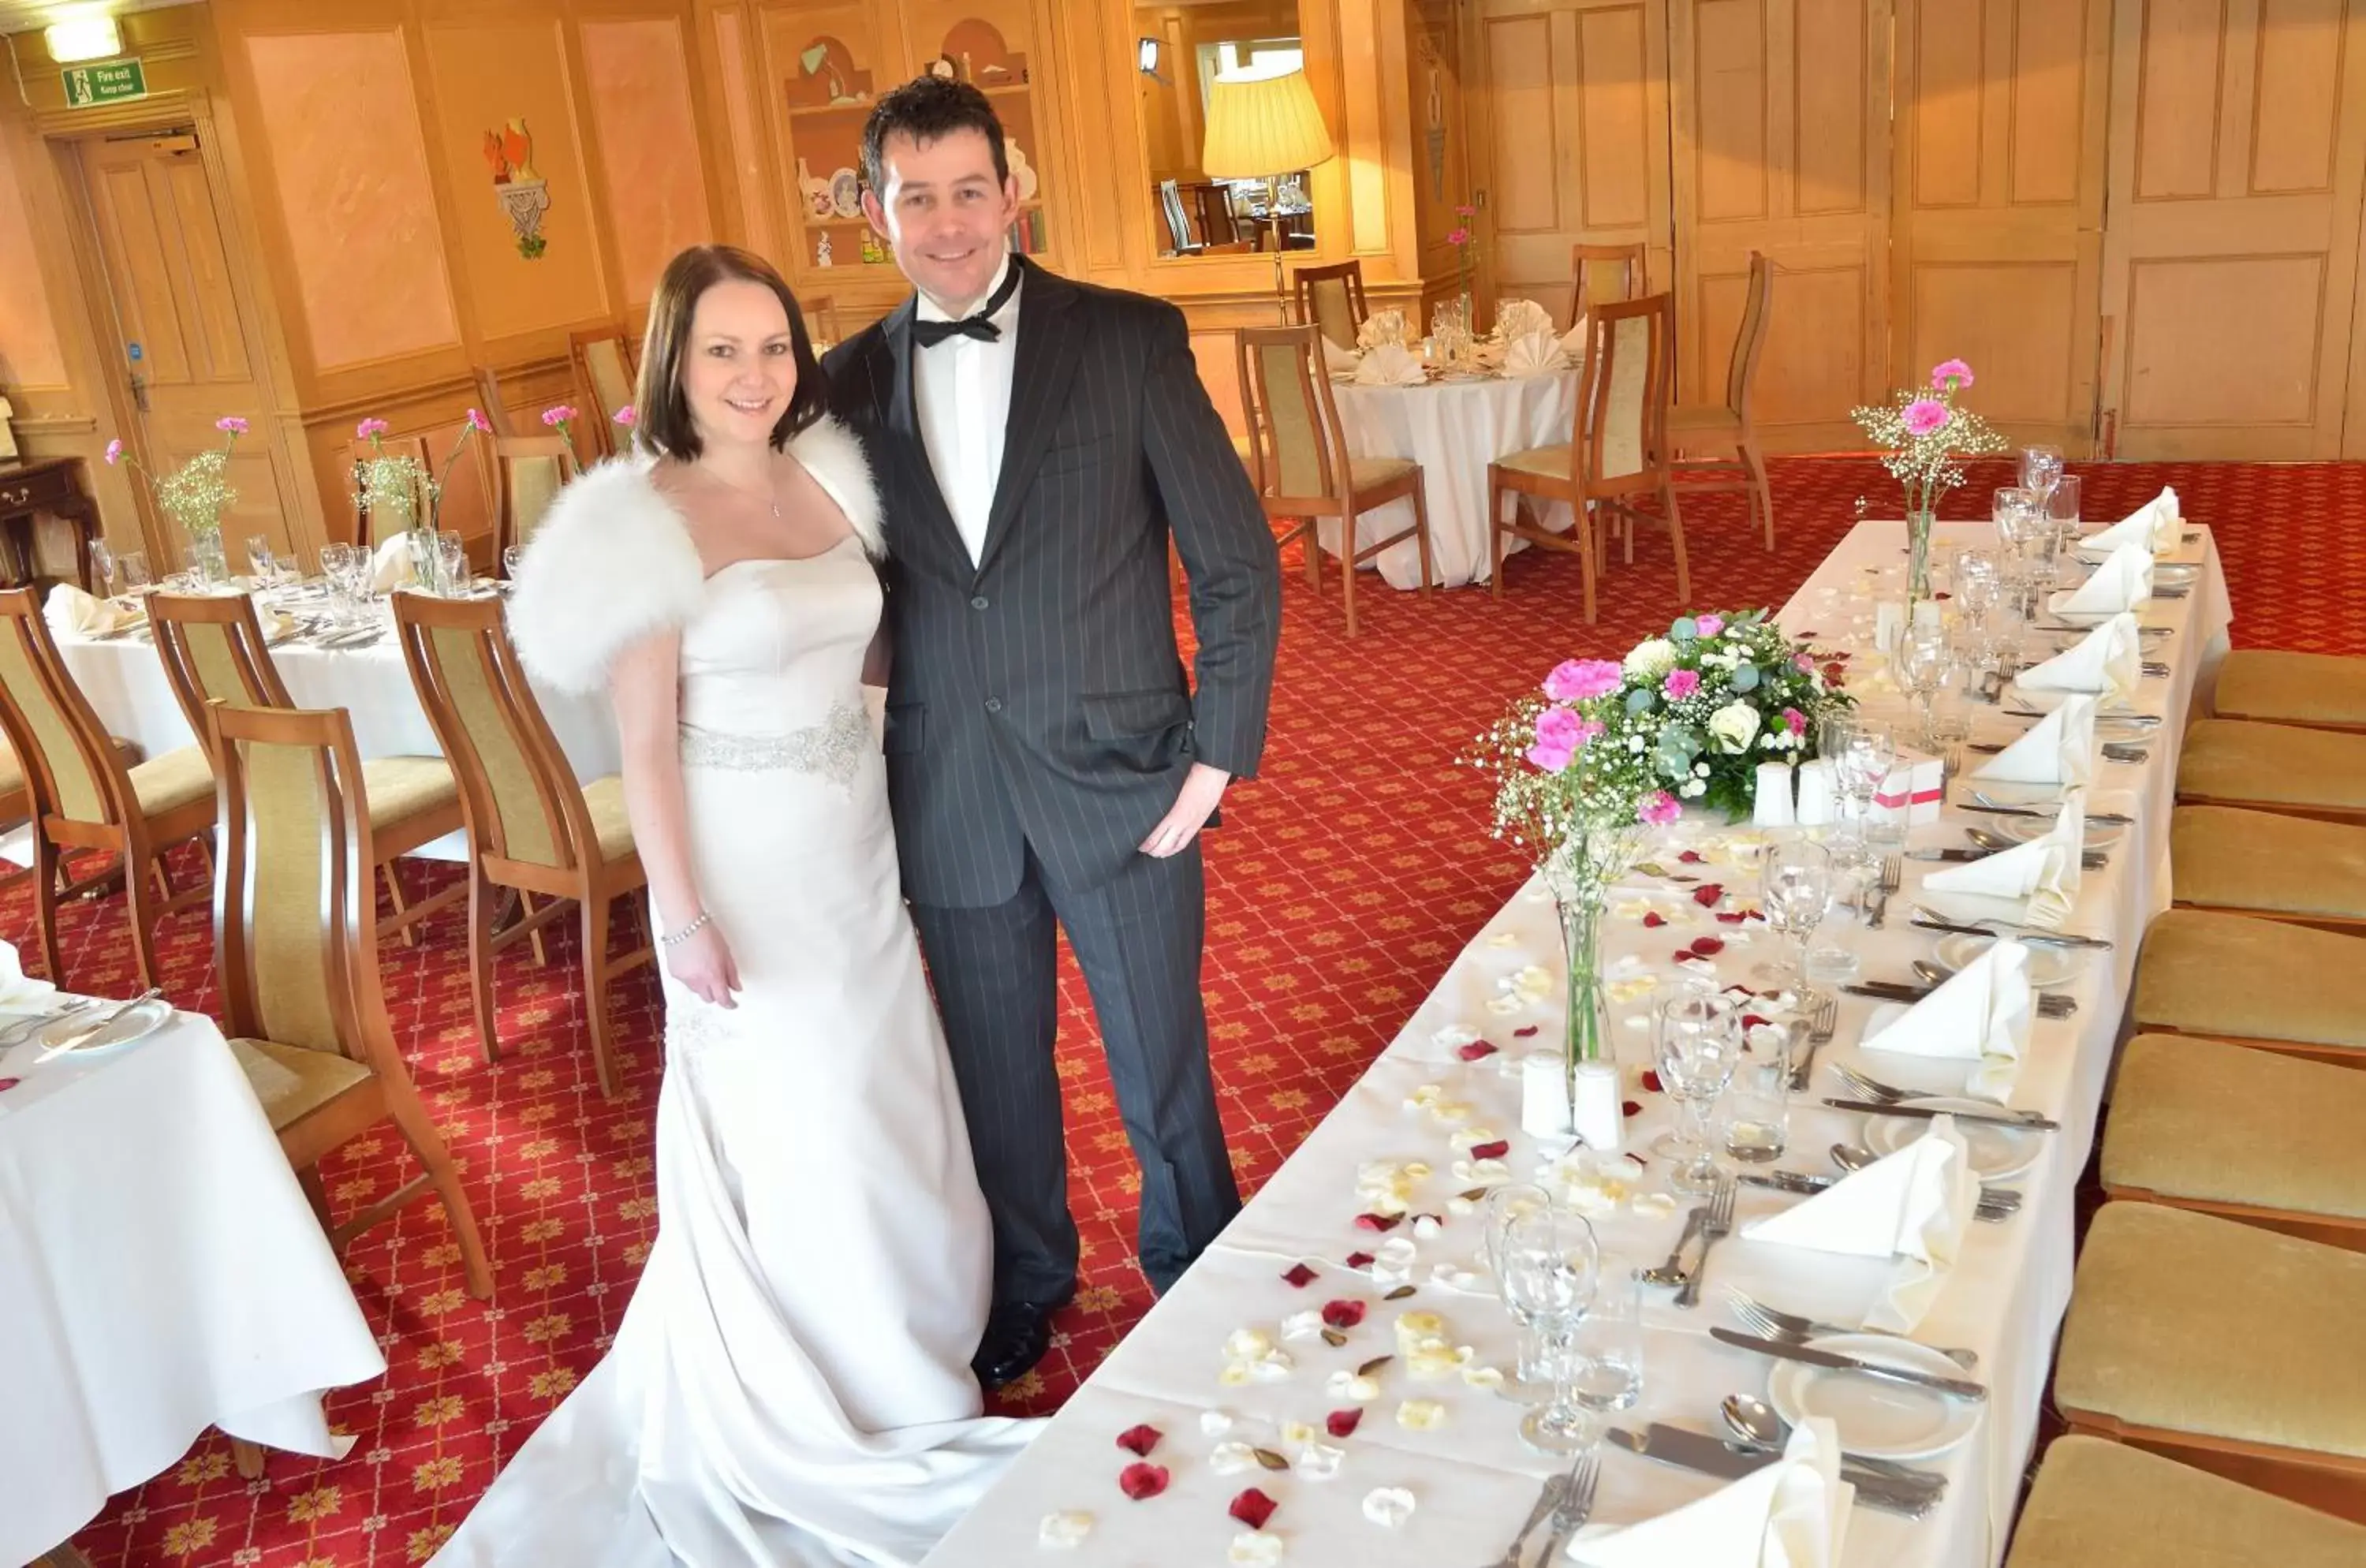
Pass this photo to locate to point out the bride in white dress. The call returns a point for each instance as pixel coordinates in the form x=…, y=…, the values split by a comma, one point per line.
x=790, y=1382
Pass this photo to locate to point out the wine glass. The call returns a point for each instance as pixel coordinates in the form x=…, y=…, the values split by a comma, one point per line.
x=260, y=562
x=1795, y=889
x=1860, y=763
x=1696, y=1043
x=1922, y=658
x=1504, y=1207
x=2040, y=470
x=1551, y=1267
x=102, y=562
x=132, y=566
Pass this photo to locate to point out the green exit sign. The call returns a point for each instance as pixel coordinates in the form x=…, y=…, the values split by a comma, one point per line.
x=109, y=82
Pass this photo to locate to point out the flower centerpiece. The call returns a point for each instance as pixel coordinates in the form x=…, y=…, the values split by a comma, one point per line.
x=398, y=493
x=1928, y=438
x=1605, y=750
x=197, y=495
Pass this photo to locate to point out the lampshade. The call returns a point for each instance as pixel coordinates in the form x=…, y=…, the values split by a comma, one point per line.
x=1260, y=126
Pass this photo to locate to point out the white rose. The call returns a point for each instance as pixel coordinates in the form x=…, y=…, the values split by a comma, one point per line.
x=1735, y=725
x=1652, y=659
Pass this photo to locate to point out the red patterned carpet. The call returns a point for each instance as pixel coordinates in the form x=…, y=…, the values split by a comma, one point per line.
x=1345, y=880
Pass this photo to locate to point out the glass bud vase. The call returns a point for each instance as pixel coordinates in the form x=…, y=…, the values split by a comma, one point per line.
x=207, y=557
x=1585, y=1035
x=1919, y=524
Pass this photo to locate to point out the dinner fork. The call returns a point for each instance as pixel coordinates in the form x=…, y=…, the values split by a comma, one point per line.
x=1873, y=1089
x=1778, y=1324
x=1576, y=1505
x=1547, y=1501
x=18, y=1034
x=1823, y=1019
x=1893, y=875
x=1714, y=1229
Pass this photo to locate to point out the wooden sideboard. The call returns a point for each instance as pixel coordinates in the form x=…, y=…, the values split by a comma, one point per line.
x=53, y=485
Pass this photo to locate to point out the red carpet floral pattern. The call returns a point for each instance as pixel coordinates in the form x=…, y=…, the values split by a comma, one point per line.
x=1343, y=881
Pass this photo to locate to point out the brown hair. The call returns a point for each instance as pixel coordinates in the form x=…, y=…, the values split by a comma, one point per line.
x=925, y=108
x=665, y=427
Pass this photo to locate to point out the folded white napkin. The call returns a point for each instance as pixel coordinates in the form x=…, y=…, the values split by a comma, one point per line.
x=1534, y=353
x=2122, y=582
x=391, y=565
x=1518, y=318
x=2059, y=749
x=1979, y=1013
x=1791, y=1514
x=70, y=610
x=18, y=989
x=1379, y=327
x=1339, y=361
x=2155, y=525
x=2043, y=872
x=1574, y=341
x=1390, y=364
x=2108, y=662
x=1914, y=1204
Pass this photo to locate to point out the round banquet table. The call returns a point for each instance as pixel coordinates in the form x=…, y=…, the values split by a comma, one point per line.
x=1453, y=429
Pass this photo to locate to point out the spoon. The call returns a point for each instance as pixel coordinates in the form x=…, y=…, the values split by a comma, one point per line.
x=1755, y=1421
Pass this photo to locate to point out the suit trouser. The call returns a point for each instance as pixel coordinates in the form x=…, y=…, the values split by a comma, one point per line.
x=1137, y=938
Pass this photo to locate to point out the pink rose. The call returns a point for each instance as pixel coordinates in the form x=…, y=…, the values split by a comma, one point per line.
x=1923, y=417
x=557, y=414
x=1805, y=663
x=231, y=425
x=114, y=453
x=1795, y=721
x=628, y=416
x=1951, y=374
x=1709, y=625
x=479, y=423
x=1659, y=809
x=371, y=429
x=1574, y=679
x=1680, y=683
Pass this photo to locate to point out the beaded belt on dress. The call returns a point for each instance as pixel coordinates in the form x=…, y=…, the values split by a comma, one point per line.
x=832, y=748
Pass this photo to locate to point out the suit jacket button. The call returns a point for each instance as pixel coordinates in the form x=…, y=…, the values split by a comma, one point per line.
x=994, y=705
x=978, y=602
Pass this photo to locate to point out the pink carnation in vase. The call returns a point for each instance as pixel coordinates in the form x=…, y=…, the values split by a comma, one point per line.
x=1466, y=211
x=557, y=414
x=231, y=425
x=1805, y=663
x=628, y=416
x=1457, y=236
x=1659, y=809
x=1680, y=683
x=114, y=453
x=1574, y=679
x=1794, y=720
x=1588, y=729
x=1709, y=626
x=1557, y=739
x=479, y=423
x=1950, y=374
x=1923, y=417
x=371, y=429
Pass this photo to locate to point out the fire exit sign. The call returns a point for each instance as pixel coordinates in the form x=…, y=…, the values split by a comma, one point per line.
x=109, y=82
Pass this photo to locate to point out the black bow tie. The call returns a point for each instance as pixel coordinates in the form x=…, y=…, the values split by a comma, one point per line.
x=978, y=323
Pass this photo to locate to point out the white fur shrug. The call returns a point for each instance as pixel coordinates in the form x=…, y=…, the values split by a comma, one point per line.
x=614, y=561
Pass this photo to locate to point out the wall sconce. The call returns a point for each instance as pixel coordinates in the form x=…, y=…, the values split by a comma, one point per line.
x=82, y=38
x=1146, y=57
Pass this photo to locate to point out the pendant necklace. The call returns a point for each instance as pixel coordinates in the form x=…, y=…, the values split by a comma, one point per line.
x=770, y=500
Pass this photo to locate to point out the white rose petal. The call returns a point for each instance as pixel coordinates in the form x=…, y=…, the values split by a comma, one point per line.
x=1307, y=1325
x=1505, y=939
x=1453, y=1277
x=1482, y=1172
x=1427, y=1226
x=1451, y=1111
x=1423, y=1096
x=1216, y=1423
x=1415, y=1170
x=1320, y=1461
x=1421, y=1415
x=1504, y=1007
x=1065, y=1530
x=1233, y=1459
x=1254, y=1549
x=1462, y=1141
x=1454, y=1036
x=1460, y=1206
x=1437, y=1360
x=1396, y=1251
x=1346, y=1384
x=1413, y=1327
x=1273, y=1368
x=1247, y=1344
x=1234, y=1375
x=1653, y=1205
x=1484, y=1377
x=1388, y=1506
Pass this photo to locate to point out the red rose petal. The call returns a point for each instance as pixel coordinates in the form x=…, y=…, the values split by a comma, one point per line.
x=1683, y=956
x=1299, y=1275
x=1653, y=917
x=1140, y=1480
x=1253, y=1507
x=1732, y=917
x=1340, y=1423
x=1478, y=1050
x=1752, y=1021
x=1495, y=1150
x=1139, y=1440
x=9, y=1083
x=1690, y=857
x=1707, y=947
x=1523, y=1032
x=1342, y=1314
x=1652, y=1080
x=1359, y=1260
x=1632, y=1108
x=1378, y=1222
x=1707, y=894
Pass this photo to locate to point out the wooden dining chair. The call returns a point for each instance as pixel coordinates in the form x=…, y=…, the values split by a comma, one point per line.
x=1331, y=298
x=604, y=381
x=1605, y=274
x=214, y=651
x=489, y=400
x=1726, y=428
x=1617, y=455
x=86, y=794
x=529, y=472
x=1299, y=462
x=822, y=325
x=531, y=827
x=371, y=532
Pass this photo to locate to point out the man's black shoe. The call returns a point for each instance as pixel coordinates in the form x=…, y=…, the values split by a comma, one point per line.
x=1016, y=1334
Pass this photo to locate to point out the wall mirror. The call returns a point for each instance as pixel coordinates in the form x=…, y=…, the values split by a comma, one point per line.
x=1181, y=48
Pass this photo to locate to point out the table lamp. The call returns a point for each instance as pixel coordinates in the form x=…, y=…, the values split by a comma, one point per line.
x=1263, y=123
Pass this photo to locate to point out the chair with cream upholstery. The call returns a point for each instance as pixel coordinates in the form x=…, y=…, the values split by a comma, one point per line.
x=1726, y=429
x=530, y=471
x=604, y=381
x=2099, y=1505
x=214, y=651
x=369, y=531
x=2222, y=1345
x=2255, y=1135
x=2274, y=767
x=489, y=400
x=2262, y=863
x=2317, y=690
x=2265, y=983
x=1331, y=298
x=1299, y=462
x=1603, y=275
x=85, y=796
x=1617, y=455
x=531, y=827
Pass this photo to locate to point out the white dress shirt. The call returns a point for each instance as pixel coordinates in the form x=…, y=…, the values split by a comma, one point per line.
x=962, y=389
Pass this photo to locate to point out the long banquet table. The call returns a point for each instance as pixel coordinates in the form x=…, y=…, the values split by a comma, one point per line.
x=1470, y=1476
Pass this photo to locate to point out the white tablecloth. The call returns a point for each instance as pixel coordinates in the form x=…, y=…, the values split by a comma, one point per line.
x=1472, y=1479
x=1453, y=429
x=160, y=1272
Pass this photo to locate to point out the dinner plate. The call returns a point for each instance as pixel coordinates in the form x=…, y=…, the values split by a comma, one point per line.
x=1998, y=1151
x=1873, y=1416
x=136, y=1022
x=2049, y=965
x=2023, y=829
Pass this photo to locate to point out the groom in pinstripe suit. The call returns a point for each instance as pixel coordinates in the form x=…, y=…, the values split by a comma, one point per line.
x=1037, y=442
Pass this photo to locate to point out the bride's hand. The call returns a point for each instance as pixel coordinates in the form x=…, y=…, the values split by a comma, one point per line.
x=704, y=964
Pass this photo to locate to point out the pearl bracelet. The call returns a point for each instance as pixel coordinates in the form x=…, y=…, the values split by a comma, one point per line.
x=683, y=935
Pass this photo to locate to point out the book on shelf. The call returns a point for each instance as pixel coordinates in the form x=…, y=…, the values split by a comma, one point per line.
x=1026, y=236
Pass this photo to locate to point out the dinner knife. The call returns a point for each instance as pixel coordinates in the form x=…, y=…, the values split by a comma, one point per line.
x=1791, y=1350
x=2094, y=818
x=2049, y=1005
x=2028, y=1119
x=2091, y=859
x=1913, y=1496
x=1931, y=922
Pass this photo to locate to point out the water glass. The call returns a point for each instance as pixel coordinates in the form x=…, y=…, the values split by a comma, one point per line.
x=1757, y=1107
x=1795, y=889
x=1547, y=1282
x=511, y=556
x=132, y=566
x=260, y=562
x=1504, y=1207
x=1607, y=1351
x=452, y=574
x=1697, y=1044
x=102, y=562
x=1861, y=752
x=1921, y=662
x=2040, y=470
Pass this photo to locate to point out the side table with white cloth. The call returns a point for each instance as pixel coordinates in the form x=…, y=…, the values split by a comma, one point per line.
x=1453, y=428
x=1388, y=1458
x=161, y=1272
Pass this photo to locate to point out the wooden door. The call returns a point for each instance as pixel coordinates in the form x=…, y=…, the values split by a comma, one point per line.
x=1998, y=245
x=1570, y=136
x=2238, y=147
x=1782, y=137
x=182, y=328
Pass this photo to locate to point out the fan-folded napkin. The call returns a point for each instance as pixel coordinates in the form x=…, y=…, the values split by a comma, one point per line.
x=2122, y=582
x=69, y=609
x=1379, y=327
x=1517, y=318
x=2108, y=661
x=1793, y=1513
x=1534, y=353
x=1339, y=361
x=2154, y=524
x=2059, y=749
x=391, y=565
x=1390, y=364
x=2044, y=872
x=1979, y=1013
x=1914, y=1204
